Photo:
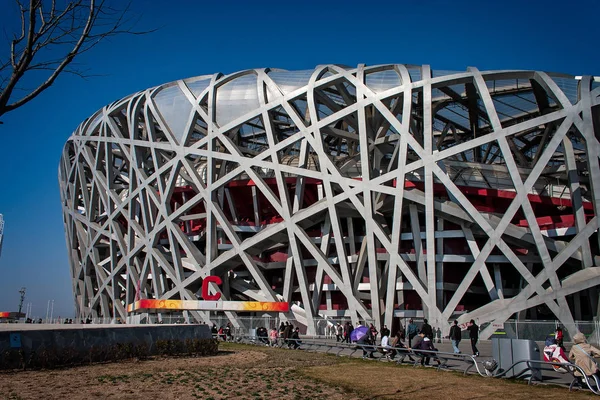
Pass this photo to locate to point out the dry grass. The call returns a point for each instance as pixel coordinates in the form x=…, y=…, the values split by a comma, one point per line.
x=238, y=372
x=249, y=372
x=388, y=381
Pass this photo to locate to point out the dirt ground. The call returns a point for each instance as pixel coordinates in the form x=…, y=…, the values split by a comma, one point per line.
x=249, y=372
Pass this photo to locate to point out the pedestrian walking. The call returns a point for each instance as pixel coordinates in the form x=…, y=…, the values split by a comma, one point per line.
x=474, y=336
x=339, y=333
x=373, y=331
x=412, y=331
x=347, y=331
x=294, y=339
x=281, y=334
x=287, y=333
x=427, y=329
x=455, y=337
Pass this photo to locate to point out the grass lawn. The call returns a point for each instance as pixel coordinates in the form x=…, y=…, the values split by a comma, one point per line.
x=251, y=372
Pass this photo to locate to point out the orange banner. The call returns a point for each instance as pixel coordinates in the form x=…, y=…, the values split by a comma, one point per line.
x=206, y=305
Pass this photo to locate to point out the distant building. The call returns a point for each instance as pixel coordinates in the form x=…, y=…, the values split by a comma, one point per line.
x=365, y=193
x=9, y=316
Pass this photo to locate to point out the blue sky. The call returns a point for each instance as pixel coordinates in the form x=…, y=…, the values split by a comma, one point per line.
x=228, y=36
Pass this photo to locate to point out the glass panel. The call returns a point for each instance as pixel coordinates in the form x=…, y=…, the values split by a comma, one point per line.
x=175, y=110
x=415, y=73
x=440, y=72
x=568, y=86
x=383, y=80
x=236, y=98
x=197, y=85
x=289, y=81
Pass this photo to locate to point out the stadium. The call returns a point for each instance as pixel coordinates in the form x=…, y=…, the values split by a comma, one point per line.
x=369, y=193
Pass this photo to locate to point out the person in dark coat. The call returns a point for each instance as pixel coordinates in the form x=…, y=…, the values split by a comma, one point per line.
x=402, y=331
x=295, y=339
x=416, y=344
x=399, y=347
x=287, y=333
x=427, y=344
x=373, y=331
x=455, y=336
x=411, y=331
x=385, y=331
x=282, y=334
x=427, y=329
x=474, y=336
x=229, y=331
x=347, y=331
x=366, y=343
x=263, y=335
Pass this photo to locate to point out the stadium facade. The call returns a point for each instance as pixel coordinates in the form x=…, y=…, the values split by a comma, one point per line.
x=368, y=193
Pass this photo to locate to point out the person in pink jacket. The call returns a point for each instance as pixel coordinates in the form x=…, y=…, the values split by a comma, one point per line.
x=273, y=337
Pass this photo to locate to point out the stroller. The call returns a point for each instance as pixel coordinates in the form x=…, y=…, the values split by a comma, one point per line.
x=553, y=353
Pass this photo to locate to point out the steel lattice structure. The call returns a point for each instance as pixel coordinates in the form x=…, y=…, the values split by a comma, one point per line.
x=368, y=192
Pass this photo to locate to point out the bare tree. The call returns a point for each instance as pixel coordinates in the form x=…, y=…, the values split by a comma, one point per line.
x=49, y=39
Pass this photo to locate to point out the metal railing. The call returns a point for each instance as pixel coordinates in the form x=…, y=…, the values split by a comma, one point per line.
x=530, y=366
x=538, y=330
x=312, y=344
x=325, y=327
x=470, y=361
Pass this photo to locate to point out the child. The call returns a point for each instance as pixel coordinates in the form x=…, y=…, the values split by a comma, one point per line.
x=273, y=337
x=553, y=353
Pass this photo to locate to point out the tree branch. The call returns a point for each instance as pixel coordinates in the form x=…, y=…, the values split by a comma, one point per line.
x=77, y=28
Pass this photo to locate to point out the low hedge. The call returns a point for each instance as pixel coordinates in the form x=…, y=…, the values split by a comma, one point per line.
x=51, y=357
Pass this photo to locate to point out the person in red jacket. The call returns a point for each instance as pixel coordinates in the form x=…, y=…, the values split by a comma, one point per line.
x=558, y=335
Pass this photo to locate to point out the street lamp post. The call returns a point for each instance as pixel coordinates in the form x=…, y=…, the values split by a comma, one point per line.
x=22, y=292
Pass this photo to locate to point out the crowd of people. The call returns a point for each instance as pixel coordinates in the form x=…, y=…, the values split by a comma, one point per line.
x=224, y=333
x=417, y=338
x=285, y=336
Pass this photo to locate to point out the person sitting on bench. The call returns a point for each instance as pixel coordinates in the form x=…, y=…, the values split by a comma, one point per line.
x=583, y=355
x=398, y=347
x=427, y=344
x=366, y=344
x=416, y=345
x=386, y=348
